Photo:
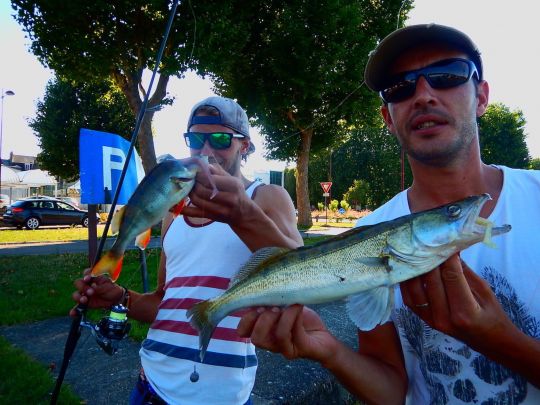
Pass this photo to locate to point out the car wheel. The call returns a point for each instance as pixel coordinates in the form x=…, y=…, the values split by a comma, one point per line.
x=32, y=223
x=85, y=222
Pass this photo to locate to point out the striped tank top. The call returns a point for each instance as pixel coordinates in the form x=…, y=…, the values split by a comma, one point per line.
x=200, y=262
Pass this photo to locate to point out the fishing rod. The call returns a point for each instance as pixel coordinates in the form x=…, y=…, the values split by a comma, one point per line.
x=113, y=328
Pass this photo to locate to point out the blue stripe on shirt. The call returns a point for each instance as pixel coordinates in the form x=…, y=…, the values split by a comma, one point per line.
x=212, y=358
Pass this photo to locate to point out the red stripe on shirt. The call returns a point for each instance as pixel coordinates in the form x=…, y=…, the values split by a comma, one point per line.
x=185, y=328
x=187, y=303
x=199, y=281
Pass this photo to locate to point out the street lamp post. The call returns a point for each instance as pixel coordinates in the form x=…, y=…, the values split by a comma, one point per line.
x=3, y=94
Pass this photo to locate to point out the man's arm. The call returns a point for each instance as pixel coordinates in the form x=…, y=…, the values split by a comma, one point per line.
x=266, y=220
x=376, y=373
x=461, y=304
x=101, y=292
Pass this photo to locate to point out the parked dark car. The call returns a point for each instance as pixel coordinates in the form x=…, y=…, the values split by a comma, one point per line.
x=34, y=212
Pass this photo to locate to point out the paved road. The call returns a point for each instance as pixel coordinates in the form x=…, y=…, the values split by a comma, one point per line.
x=81, y=246
x=48, y=248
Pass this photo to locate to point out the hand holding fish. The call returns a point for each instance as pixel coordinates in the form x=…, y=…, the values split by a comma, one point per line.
x=96, y=292
x=298, y=332
x=227, y=204
x=295, y=332
x=461, y=304
x=270, y=209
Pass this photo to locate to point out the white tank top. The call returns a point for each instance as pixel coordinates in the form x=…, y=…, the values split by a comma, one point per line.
x=200, y=262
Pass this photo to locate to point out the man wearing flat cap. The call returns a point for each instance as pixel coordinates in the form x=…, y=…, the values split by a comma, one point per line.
x=468, y=331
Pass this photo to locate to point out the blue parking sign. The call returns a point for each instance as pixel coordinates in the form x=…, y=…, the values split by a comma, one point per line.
x=101, y=158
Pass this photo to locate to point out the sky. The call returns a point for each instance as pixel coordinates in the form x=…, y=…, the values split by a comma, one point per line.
x=506, y=33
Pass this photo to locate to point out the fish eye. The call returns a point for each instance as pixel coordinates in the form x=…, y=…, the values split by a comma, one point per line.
x=453, y=211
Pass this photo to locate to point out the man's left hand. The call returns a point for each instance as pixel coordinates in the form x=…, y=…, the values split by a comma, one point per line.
x=456, y=301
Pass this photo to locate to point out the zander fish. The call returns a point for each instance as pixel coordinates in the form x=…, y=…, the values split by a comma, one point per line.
x=163, y=189
x=363, y=264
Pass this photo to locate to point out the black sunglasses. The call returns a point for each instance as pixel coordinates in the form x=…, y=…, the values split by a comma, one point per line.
x=444, y=74
x=217, y=140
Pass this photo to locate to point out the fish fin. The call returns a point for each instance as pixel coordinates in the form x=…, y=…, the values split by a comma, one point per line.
x=177, y=209
x=109, y=264
x=371, y=261
x=199, y=319
x=117, y=220
x=142, y=240
x=254, y=262
x=371, y=308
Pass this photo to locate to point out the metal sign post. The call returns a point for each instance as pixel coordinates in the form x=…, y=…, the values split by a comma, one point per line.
x=326, y=185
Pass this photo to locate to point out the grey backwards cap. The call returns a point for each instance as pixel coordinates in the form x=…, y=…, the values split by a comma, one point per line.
x=400, y=41
x=231, y=115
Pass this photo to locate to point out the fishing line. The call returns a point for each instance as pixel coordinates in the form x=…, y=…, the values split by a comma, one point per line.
x=75, y=329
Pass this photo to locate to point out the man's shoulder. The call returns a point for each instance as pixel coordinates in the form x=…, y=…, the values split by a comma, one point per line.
x=521, y=178
x=531, y=173
x=270, y=194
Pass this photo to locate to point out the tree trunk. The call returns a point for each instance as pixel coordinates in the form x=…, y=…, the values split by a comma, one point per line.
x=130, y=85
x=146, y=143
x=302, y=194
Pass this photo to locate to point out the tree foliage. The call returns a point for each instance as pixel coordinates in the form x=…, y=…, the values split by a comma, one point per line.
x=101, y=39
x=534, y=164
x=68, y=107
x=300, y=75
x=358, y=193
x=370, y=155
x=502, y=137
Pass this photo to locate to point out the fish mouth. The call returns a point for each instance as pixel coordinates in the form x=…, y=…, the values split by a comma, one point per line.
x=477, y=225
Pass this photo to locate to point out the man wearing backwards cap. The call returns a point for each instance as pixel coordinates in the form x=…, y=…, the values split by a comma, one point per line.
x=466, y=332
x=202, y=250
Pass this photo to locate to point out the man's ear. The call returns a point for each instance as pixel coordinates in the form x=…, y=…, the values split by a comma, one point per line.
x=245, y=146
x=388, y=118
x=482, y=96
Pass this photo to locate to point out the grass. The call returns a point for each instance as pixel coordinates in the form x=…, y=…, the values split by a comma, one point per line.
x=25, y=381
x=35, y=288
x=46, y=234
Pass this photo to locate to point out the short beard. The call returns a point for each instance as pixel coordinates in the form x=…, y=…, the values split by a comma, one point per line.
x=454, y=152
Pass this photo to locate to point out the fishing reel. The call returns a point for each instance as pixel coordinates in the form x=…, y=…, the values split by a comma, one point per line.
x=110, y=330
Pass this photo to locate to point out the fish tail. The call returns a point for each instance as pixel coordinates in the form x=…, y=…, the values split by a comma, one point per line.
x=200, y=320
x=110, y=264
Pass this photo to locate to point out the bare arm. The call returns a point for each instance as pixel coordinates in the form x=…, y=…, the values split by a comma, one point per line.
x=101, y=292
x=376, y=373
x=267, y=220
x=462, y=305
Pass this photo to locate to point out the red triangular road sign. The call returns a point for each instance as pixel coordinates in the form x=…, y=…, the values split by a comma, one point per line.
x=326, y=185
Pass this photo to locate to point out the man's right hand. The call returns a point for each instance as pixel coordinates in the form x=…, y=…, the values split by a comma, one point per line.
x=295, y=332
x=96, y=292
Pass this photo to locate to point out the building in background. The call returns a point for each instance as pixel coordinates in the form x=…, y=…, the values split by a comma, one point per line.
x=269, y=177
